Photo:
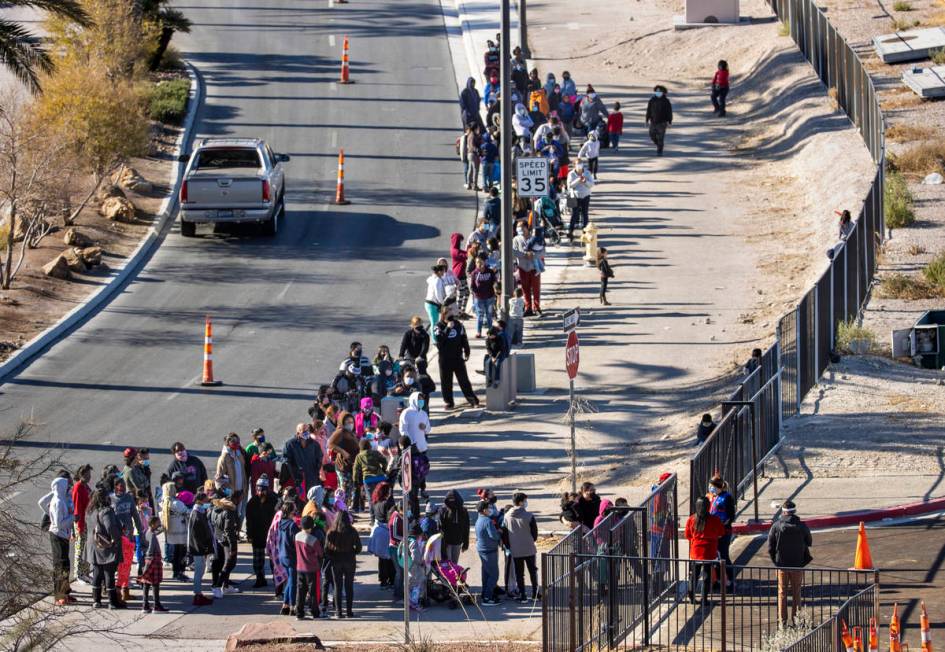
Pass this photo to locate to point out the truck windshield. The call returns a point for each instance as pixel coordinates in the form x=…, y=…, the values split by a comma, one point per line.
x=210, y=159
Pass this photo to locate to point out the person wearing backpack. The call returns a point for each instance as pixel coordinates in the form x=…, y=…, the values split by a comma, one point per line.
x=723, y=506
x=789, y=543
x=104, y=550
x=200, y=544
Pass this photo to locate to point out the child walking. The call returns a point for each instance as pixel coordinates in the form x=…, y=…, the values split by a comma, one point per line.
x=153, y=567
x=720, y=88
x=308, y=552
x=606, y=273
x=615, y=125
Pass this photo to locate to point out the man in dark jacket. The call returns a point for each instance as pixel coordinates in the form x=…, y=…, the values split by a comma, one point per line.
x=195, y=473
x=659, y=115
x=259, y=513
x=416, y=341
x=304, y=458
x=453, y=345
x=492, y=209
x=469, y=104
x=789, y=543
x=200, y=544
x=453, y=520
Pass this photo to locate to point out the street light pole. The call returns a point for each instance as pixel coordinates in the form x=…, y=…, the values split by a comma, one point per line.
x=506, y=230
x=523, y=30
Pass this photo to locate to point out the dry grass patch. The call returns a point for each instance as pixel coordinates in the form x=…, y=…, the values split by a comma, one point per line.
x=902, y=286
x=917, y=250
x=922, y=158
x=934, y=273
x=900, y=101
x=904, y=133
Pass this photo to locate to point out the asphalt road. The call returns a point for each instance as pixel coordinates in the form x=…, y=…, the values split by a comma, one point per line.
x=284, y=309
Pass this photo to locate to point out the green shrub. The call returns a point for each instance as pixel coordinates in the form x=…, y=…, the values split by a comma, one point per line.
x=934, y=272
x=784, y=29
x=167, y=100
x=902, y=5
x=901, y=286
x=172, y=59
x=897, y=202
x=848, y=333
x=938, y=57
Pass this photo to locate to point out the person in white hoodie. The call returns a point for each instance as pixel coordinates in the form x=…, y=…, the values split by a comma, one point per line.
x=436, y=293
x=415, y=424
x=61, y=517
x=580, y=184
x=590, y=150
x=522, y=123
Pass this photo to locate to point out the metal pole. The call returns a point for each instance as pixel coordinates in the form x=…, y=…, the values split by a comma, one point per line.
x=506, y=231
x=523, y=30
x=406, y=574
x=754, y=458
x=573, y=443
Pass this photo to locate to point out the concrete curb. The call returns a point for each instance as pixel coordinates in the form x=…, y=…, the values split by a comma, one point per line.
x=852, y=518
x=75, y=317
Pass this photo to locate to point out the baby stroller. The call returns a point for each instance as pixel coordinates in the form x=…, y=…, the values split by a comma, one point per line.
x=447, y=583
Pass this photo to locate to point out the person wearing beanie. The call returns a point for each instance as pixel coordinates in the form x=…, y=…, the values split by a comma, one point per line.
x=259, y=513
x=789, y=543
x=704, y=429
x=308, y=554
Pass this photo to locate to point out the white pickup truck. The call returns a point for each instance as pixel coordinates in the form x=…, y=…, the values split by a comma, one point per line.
x=232, y=180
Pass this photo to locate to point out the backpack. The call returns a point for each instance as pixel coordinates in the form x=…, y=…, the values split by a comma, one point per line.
x=102, y=542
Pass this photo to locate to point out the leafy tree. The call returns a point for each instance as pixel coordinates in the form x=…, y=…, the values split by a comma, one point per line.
x=20, y=49
x=168, y=21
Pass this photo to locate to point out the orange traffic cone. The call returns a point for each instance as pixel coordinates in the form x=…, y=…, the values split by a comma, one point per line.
x=874, y=638
x=894, y=643
x=862, y=560
x=340, y=189
x=857, y=639
x=344, y=63
x=208, y=355
x=845, y=635
x=926, y=630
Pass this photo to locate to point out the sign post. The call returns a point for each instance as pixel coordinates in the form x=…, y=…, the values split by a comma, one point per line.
x=531, y=176
x=406, y=481
x=572, y=359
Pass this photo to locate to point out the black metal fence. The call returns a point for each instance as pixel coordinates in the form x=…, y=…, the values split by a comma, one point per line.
x=631, y=603
x=855, y=613
x=751, y=420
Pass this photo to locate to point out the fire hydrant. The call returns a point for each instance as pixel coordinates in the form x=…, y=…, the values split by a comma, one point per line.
x=589, y=240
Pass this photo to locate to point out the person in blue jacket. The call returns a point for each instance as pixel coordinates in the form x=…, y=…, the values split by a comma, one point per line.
x=487, y=545
x=723, y=506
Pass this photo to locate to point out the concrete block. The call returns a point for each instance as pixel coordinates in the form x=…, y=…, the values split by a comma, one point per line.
x=525, y=382
x=910, y=45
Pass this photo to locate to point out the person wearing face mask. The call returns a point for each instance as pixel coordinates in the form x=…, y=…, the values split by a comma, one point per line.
x=588, y=505
x=487, y=546
x=137, y=471
x=416, y=340
x=259, y=438
x=262, y=463
x=407, y=384
x=453, y=346
x=529, y=275
x=522, y=531
x=593, y=111
x=590, y=152
x=192, y=468
x=225, y=522
x=568, y=87
x=259, y=514
x=659, y=115
x=723, y=506
x=580, y=185
x=174, y=515
x=200, y=544
x=366, y=418
x=304, y=459
x=483, y=282
x=127, y=513
x=491, y=60
x=343, y=444
x=436, y=293
x=522, y=122
x=233, y=464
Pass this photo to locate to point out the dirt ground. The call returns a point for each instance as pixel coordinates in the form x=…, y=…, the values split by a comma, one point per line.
x=35, y=302
x=910, y=120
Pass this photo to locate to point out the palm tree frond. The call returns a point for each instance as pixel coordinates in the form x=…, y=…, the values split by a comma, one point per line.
x=175, y=20
x=71, y=9
x=22, y=54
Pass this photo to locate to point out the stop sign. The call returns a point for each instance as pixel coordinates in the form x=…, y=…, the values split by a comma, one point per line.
x=572, y=355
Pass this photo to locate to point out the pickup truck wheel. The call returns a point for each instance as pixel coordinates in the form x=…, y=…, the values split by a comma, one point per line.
x=270, y=226
x=188, y=229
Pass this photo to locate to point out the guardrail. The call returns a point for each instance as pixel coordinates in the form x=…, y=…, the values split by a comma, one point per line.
x=806, y=336
x=854, y=613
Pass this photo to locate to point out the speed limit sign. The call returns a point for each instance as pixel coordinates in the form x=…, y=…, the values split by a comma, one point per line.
x=531, y=176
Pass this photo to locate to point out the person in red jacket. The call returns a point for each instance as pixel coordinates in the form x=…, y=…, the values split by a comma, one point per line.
x=81, y=494
x=703, y=531
x=263, y=462
x=615, y=125
x=720, y=88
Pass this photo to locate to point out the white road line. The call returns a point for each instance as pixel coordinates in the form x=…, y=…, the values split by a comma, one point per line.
x=285, y=289
x=333, y=86
x=185, y=386
x=331, y=40
x=334, y=139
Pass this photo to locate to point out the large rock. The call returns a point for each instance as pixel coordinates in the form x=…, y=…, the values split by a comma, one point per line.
x=271, y=634
x=57, y=268
x=107, y=190
x=91, y=256
x=74, y=260
x=129, y=179
x=75, y=238
x=118, y=209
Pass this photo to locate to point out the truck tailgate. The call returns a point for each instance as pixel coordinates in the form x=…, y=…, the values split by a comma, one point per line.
x=225, y=191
